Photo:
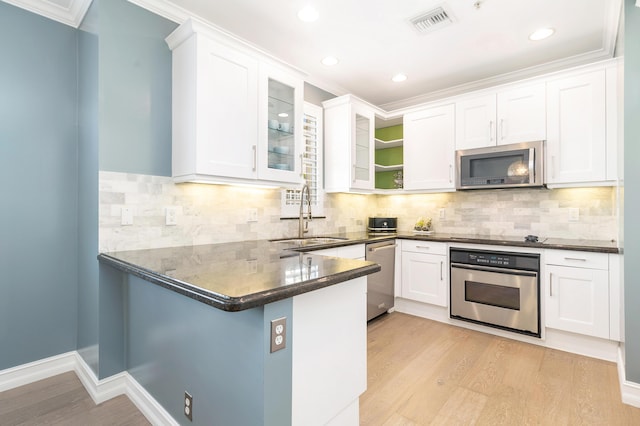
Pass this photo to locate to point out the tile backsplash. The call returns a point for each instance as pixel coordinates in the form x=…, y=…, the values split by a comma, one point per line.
x=209, y=214
x=512, y=212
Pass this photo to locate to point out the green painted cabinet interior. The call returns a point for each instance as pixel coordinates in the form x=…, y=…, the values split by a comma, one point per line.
x=388, y=156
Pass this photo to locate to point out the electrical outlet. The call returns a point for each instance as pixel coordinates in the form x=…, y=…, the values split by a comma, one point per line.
x=574, y=214
x=188, y=406
x=278, y=334
x=252, y=215
x=126, y=217
x=170, y=216
x=443, y=214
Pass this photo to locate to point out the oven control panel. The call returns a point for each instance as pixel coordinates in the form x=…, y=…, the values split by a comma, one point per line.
x=491, y=259
x=524, y=261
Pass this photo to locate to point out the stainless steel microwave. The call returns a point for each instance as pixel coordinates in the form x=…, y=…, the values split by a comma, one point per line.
x=503, y=166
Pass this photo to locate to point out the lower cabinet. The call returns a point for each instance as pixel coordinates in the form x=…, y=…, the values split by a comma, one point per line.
x=329, y=354
x=578, y=292
x=425, y=272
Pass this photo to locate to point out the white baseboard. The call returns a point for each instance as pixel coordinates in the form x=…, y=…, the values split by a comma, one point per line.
x=152, y=410
x=38, y=370
x=630, y=391
x=99, y=390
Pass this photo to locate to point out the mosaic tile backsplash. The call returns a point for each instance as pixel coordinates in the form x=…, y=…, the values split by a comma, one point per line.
x=209, y=214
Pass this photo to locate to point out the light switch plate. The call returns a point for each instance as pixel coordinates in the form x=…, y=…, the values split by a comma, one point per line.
x=170, y=216
x=126, y=216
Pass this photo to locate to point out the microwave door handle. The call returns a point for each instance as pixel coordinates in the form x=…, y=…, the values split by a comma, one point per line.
x=532, y=176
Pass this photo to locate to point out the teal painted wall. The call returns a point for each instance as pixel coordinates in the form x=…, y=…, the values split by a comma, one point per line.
x=135, y=89
x=39, y=175
x=88, y=190
x=124, y=125
x=171, y=344
x=632, y=189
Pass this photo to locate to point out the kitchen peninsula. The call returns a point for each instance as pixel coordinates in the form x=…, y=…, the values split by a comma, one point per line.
x=215, y=343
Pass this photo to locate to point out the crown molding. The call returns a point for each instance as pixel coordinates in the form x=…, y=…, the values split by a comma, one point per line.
x=164, y=8
x=71, y=15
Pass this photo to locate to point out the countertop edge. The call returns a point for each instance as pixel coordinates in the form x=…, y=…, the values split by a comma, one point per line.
x=538, y=245
x=235, y=304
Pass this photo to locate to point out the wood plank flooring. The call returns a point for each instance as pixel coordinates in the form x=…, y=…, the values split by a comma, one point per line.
x=422, y=372
x=62, y=400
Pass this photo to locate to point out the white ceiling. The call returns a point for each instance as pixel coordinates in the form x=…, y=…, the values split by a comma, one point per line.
x=374, y=40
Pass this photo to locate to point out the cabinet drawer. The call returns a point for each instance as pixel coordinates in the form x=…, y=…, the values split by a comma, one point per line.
x=424, y=247
x=577, y=259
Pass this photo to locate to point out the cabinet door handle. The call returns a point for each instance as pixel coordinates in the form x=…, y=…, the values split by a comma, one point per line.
x=450, y=173
x=490, y=130
x=353, y=176
x=502, y=128
x=255, y=157
x=579, y=259
x=553, y=167
x=550, y=285
x=441, y=265
x=423, y=247
x=302, y=166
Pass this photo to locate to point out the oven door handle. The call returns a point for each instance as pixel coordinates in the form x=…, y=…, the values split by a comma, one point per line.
x=493, y=269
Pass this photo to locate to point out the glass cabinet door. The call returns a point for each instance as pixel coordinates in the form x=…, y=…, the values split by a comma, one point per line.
x=281, y=145
x=363, y=148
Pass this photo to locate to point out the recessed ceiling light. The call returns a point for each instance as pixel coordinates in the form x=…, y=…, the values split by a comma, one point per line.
x=330, y=61
x=308, y=14
x=283, y=114
x=541, y=33
x=399, y=78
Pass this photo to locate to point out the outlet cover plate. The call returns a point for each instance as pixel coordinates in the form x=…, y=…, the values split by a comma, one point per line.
x=278, y=334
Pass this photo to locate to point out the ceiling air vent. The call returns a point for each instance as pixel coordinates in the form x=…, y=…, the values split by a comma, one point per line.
x=432, y=20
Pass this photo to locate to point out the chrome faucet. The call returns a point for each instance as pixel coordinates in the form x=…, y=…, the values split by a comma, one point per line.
x=303, y=221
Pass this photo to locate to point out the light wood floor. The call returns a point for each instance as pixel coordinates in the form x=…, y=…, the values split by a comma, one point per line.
x=422, y=372
x=62, y=400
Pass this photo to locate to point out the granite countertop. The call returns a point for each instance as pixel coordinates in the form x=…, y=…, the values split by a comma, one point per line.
x=238, y=276
x=243, y=275
x=598, y=246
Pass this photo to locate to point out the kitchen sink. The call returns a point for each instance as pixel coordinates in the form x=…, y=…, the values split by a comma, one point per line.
x=309, y=240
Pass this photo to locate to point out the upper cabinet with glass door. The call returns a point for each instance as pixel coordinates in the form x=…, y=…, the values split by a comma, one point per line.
x=280, y=118
x=349, y=145
x=237, y=115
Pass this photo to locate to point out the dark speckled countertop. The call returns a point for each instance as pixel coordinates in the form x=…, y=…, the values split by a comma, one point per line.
x=240, y=275
x=243, y=275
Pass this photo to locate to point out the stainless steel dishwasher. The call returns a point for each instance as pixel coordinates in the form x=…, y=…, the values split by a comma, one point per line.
x=380, y=285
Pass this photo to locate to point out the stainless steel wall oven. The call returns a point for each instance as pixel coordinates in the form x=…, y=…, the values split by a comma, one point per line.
x=495, y=288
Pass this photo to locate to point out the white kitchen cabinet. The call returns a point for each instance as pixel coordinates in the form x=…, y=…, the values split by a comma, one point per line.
x=429, y=149
x=425, y=272
x=348, y=145
x=577, y=292
x=329, y=354
x=576, y=120
x=223, y=99
x=508, y=116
